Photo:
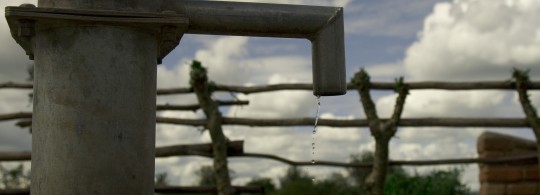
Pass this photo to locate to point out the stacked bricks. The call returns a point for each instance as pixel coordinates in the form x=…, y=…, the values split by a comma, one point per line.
x=513, y=178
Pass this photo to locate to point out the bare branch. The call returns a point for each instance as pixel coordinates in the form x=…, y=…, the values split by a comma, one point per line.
x=15, y=156
x=234, y=147
x=172, y=91
x=485, y=85
x=163, y=189
x=25, y=156
x=195, y=107
x=403, y=91
x=203, y=189
x=499, y=160
x=204, y=89
x=361, y=81
x=13, y=85
x=13, y=116
x=522, y=83
x=411, y=122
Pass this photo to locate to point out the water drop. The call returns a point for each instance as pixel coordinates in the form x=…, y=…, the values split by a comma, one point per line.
x=315, y=129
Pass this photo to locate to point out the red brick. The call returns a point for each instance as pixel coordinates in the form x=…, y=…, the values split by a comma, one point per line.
x=492, y=189
x=530, y=173
x=529, y=188
x=494, y=144
x=515, y=153
x=501, y=174
x=491, y=141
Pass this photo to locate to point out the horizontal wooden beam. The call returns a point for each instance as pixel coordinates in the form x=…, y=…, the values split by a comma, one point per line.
x=500, y=160
x=485, y=85
x=163, y=190
x=410, y=122
x=489, y=85
x=233, y=148
x=195, y=107
x=236, y=150
x=13, y=85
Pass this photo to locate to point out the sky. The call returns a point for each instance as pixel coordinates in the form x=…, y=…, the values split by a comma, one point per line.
x=422, y=40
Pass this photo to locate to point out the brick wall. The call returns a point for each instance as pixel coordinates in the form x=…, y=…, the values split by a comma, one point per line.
x=511, y=178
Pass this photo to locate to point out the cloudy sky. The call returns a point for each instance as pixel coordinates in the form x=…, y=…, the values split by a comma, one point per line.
x=423, y=40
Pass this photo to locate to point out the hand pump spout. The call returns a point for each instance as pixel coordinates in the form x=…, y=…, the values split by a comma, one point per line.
x=323, y=26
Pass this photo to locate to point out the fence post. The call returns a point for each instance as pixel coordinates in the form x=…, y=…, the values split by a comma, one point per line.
x=203, y=89
x=522, y=83
x=382, y=131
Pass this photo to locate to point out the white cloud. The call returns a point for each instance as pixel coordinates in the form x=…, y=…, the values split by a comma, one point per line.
x=439, y=103
x=374, y=19
x=386, y=71
x=465, y=40
x=476, y=40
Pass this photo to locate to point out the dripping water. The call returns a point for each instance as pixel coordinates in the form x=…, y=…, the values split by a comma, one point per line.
x=314, y=133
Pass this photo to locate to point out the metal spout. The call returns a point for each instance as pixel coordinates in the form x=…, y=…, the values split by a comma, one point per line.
x=323, y=26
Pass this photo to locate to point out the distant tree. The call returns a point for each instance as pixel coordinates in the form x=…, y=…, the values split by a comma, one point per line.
x=266, y=183
x=438, y=182
x=206, y=176
x=14, y=178
x=296, y=181
x=359, y=175
x=336, y=184
x=161, y=179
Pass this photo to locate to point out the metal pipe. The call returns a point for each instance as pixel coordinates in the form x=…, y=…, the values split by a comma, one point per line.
x=323, y=26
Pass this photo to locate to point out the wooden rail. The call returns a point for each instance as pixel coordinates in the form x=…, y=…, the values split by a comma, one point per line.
x=163, y=190
x=410, y=122
x=485, y=85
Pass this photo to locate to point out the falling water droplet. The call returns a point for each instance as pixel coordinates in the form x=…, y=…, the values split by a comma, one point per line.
x=315, y=128
x=315, y=132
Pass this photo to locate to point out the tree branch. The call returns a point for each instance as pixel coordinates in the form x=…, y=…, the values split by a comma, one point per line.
x=411, y=122
x=163, y=189
x=382, y=131
x=195, y=107
x=522, y=83
x=13, y=85
x=13, y=116
x=203, y=89
x=25, y=156
x=234, y=147
x=361, y=81
x=484, y=85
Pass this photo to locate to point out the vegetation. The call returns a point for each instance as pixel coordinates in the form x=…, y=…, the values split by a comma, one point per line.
x=297, y=181
x=14, y=178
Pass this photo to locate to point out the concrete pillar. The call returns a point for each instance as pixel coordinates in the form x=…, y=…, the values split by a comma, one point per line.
x=94, y=105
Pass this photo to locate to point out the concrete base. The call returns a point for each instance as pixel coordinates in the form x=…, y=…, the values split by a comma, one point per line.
x=94, y=111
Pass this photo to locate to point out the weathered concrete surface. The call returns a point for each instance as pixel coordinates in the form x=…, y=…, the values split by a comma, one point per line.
x=125, y=5
x=94, y=111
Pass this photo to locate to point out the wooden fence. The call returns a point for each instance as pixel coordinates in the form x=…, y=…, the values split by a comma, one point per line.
x=235, y=149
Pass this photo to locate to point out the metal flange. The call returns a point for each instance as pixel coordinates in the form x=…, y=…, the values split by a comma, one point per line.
x=168, y=26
